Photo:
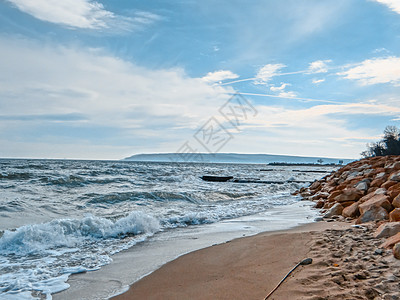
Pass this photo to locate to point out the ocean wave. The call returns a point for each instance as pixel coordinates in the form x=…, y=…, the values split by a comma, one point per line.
x=40, y=238
x=15, y=175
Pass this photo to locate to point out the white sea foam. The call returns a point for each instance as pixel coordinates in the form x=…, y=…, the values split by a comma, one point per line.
x=40, y=257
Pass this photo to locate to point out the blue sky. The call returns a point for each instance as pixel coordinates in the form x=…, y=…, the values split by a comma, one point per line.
x=108, y=79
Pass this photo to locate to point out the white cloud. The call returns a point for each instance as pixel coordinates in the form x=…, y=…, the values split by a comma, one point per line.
x=288, y=94
x=319, y=66
x=162, y=106
x=374, y=71
x=279, y=88
x=317, y=81
x=220, y=76
x=267, y=72
x=392, y=4
x=82, y=14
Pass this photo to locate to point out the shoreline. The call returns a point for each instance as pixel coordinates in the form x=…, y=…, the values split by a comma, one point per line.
x=348, y=263
x=143, y=259
x=244, y=268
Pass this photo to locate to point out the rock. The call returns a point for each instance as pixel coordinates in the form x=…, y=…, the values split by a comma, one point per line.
x=351, y=194
x=388, y=184
x=395, y=176
x=394, y=166
x=320, y=204
x=391, y=241
x=373, y=213
x=379, y=251
x=334, y=194
x=377, y=200
x=315, y=185
x=320, y=195
x=351, y=211
x=334, y=210
x=396, y=201
x=381, y=174
x=380, y=191
x=394, y=191
x=362, y=185
x=396, y=251
x=347, y=203
x=394, y=215
x=366, y=197
x=378, y=182
x=387, y=230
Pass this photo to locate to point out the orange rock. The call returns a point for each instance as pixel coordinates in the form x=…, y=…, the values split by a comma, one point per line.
x=377, y=200
x=366, y=197
x=394, y=215
x=394, y=191
x=371, y=190
x=387, y=230
x=315, y=185
x=396, y=201
x=333, y=195
x=347, y=203
x=351, y=194
x=396, y=251
x=388, y=184
x=351, y=211
x=390, y=242
x=378, y=182
x=373, y=213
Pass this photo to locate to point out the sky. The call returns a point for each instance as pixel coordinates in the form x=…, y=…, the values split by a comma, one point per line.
x=108, y=79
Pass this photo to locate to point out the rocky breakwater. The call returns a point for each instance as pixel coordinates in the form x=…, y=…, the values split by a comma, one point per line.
x=364, y=191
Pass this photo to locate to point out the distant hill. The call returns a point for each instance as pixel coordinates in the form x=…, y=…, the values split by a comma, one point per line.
x=233, y=158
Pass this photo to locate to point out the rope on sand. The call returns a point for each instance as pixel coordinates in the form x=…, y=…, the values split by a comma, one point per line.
x=304, y=262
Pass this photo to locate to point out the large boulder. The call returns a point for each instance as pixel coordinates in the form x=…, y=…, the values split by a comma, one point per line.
x=391, y=241
x=394, y=215
x=351, y=194
x=377, y=200
x=315, y=185
x=373, y=213
x=388, y=184
x=351, y=211
x=387, y=230
x=335, y=210
x=377, y=182
x=394, y=191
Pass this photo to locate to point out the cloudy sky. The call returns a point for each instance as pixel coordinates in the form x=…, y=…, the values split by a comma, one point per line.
x=107, y=79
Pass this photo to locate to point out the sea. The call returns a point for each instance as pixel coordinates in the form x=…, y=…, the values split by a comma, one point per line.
x=65, y=217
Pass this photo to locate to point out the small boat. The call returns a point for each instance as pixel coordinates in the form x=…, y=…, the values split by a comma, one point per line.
x=217, y=178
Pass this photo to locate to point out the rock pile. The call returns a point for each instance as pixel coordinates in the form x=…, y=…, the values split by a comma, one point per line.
x=367, y=190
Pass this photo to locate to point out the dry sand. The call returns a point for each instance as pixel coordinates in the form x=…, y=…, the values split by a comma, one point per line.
x=347, y=264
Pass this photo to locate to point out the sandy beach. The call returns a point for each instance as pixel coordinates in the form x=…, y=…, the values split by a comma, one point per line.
x=249, y=268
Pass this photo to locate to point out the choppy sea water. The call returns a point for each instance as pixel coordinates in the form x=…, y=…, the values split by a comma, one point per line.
x=60, y=217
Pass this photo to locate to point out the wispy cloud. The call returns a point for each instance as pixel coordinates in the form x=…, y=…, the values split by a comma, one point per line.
x=220, y=75
x=319, y=66
x=82, y=14
x=279, y=88
x=267, y=72
x=317, y=81
x=374, y=71
x=392, y=4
